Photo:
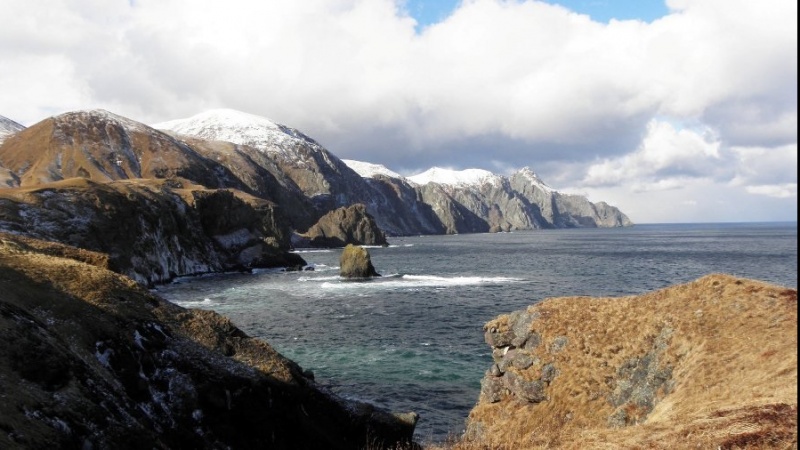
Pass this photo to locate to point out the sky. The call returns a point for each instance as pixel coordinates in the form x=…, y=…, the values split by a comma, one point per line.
x=674, y=111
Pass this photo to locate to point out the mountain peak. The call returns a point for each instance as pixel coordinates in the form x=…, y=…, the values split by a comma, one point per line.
x=237, y=127
x=368, y=170
x=451, y=177
x=528, y=173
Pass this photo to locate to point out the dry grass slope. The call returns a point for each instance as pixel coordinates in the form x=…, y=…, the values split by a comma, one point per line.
x=728, y=347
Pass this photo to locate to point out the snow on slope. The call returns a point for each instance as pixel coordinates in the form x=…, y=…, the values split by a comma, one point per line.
x=8, y=127
x=368, y=170
x=240, y=128
x=534, y=179
x=468, y=177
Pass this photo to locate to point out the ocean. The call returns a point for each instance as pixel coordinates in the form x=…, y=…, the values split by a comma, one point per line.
x=412, y=340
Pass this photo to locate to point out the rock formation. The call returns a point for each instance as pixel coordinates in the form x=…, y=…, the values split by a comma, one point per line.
x=346, y=225
x=153, y=230
x=93, y=360
x=355, y=263
x=710, y=364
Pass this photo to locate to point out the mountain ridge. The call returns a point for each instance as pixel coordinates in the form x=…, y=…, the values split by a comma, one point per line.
x=569, y=210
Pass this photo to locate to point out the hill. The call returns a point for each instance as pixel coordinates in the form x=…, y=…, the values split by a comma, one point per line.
x=707, y=364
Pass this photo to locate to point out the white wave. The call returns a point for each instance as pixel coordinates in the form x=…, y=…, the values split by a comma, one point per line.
x=415, y=282
x=312, y=250
x=204, y=303
x=451, y=281
x=311, y=278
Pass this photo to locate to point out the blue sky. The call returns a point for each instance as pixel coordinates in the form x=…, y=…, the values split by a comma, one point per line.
x=427, y=12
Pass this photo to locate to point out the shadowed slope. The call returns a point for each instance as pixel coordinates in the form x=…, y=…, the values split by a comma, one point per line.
x=99, y=362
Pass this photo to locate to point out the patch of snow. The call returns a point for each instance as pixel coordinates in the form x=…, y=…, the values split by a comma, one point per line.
x=369, y=170
x=459, y=178
x=101, y=114
x=8, y=127
x=241, y=128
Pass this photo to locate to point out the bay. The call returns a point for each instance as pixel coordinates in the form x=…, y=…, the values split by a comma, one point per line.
x=412, y=340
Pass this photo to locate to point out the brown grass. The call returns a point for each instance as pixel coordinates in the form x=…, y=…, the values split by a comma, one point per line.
x=732, y=348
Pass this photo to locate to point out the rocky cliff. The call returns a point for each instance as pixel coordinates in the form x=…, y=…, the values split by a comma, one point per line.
x=400, y=206
x=153, y=230
x=93, y=360
x=295, y=181
x=707, y=364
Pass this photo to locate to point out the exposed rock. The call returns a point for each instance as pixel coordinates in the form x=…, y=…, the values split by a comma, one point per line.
x=153, y=230
x=697, y=363
x=343, y=226
x=355, y=263
x=90, y=359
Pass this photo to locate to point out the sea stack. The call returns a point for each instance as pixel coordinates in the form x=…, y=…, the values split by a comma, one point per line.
x=355, y=263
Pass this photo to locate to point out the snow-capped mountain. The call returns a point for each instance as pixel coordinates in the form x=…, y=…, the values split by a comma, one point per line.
x=239, y=128
x=370, y=170
x=437, y=200
x=229, y=149
x=456, y=178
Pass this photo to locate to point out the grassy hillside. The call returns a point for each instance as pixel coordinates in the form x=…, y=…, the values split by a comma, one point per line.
x=709, y=364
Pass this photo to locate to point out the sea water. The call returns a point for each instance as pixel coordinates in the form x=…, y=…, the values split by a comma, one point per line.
x=412, y=340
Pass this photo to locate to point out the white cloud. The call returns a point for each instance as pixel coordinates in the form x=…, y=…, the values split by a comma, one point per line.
x=499, y=83
x=788, y=190
x=666, y=156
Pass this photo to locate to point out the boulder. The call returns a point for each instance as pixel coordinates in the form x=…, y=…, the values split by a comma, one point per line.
x=355, y=263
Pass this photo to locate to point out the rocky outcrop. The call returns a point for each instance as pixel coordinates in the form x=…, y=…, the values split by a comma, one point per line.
x=93, y=360
x=553, y=209
x=711, y=363
x=343, y=226
x=153, y=230
x=355, y=263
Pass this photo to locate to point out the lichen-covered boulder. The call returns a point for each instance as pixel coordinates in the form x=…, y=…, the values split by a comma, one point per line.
x=356, y=263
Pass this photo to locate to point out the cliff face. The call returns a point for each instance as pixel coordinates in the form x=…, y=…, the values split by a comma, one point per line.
x=398, y=207
x=99, y=362
x=153, y=230
x=708, y=364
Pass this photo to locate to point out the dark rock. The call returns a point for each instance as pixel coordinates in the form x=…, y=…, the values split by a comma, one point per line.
x=154, y=230
x=355, y=262
x=343, y=226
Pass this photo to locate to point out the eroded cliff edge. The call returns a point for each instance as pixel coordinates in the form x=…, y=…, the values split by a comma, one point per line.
x=707, y=364
x=93, y=360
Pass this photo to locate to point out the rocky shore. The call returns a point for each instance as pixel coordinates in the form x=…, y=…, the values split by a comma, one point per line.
x=707, y=364
x=93, y=360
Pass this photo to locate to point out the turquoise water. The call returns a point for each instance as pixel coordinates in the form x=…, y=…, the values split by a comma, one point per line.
x=412, y=340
